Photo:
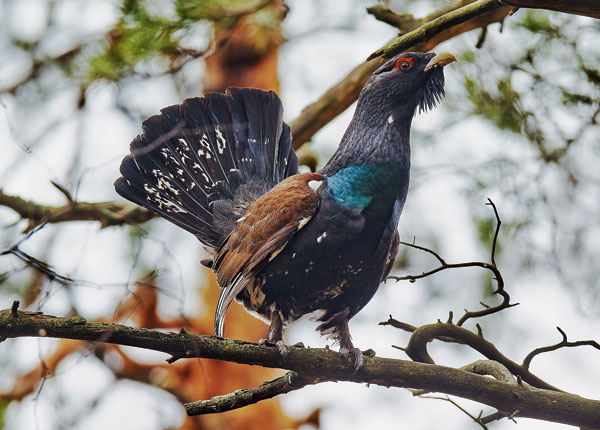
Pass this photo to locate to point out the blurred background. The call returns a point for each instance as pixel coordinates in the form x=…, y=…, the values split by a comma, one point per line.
x=519, y=125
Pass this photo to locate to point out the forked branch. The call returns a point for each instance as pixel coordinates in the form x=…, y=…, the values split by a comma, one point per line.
x=489, y=266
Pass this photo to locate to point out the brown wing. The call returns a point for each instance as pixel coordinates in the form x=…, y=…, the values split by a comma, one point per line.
x=261, y=234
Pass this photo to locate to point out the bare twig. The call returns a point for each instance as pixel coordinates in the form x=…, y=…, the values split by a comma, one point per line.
x=491, y=267
x=291, y=381
x=448, y=399
x=564, y=343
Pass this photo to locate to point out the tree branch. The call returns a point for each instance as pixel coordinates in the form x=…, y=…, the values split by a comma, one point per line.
x=580, y=7
x=106, y=213
x=428, y=33
x=438, y=25
x=319, y=363
x=291, y=381
x=417, y=349
x=564, y=343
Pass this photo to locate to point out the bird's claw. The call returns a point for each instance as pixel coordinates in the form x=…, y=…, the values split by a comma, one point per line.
x=284, y=350
x=359, y=358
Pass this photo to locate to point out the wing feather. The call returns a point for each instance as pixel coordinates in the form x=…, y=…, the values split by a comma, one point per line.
x=269, y=224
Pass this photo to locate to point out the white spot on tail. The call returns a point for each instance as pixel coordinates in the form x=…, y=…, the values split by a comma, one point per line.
x=321, y=237
x=390, y=119
x=221, y=142
x=184, y=143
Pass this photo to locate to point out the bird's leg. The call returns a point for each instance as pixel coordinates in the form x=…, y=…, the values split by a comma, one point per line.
x=342, y=333
x=275, y=335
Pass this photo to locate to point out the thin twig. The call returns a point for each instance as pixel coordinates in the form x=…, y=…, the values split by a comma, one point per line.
x=448, y=399
x=291, y=381
x=564, y=343
x=488, y=266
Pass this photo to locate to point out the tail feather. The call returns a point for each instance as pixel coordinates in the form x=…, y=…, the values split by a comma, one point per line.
x=202, y=163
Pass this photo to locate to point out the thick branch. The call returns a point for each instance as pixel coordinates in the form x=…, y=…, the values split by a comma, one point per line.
x=106, y=213
x=321, y=363
x=438, y=25
x=589, y=8
x=417, y=349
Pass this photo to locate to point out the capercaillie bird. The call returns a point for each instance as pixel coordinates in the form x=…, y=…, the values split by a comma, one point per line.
x=284, y=243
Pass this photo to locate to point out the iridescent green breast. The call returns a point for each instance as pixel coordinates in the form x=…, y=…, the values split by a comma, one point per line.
x=373, y=188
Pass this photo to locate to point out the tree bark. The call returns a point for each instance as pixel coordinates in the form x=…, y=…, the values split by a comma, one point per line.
x=589, y=8
x=517, y=400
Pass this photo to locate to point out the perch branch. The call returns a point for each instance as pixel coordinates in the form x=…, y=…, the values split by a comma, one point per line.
x=318, y=363
x=482, y=367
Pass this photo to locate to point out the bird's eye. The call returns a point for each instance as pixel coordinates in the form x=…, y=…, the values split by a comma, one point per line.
x=404, y=63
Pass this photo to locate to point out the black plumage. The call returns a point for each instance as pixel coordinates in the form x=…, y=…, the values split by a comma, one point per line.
x=287, y=244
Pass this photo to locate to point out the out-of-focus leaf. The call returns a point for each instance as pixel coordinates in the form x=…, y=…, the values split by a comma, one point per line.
x=501, y=108
x=537, y=21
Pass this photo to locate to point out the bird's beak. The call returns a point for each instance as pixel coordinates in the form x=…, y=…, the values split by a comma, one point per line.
x=440, y=60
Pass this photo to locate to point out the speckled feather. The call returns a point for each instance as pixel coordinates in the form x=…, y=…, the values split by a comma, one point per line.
x=202, y=163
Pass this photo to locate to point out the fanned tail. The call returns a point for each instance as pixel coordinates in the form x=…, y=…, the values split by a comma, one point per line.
x=202, y=163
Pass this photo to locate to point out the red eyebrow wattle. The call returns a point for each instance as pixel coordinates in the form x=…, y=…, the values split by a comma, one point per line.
x=401, y=60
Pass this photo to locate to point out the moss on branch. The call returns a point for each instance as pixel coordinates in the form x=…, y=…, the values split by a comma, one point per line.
x=317, y=363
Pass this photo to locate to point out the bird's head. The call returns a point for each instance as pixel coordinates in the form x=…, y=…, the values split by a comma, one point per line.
x=380, y=128
x=409, y=81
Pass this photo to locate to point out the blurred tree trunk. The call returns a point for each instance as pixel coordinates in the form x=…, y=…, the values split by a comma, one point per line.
x=246, y=52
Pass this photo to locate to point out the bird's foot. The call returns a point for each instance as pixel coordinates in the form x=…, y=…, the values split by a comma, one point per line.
x=284, y=350
x=359, y=358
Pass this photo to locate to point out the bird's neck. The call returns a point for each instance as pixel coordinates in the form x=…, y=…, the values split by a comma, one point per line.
x=370, y=170
x=374, y=136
